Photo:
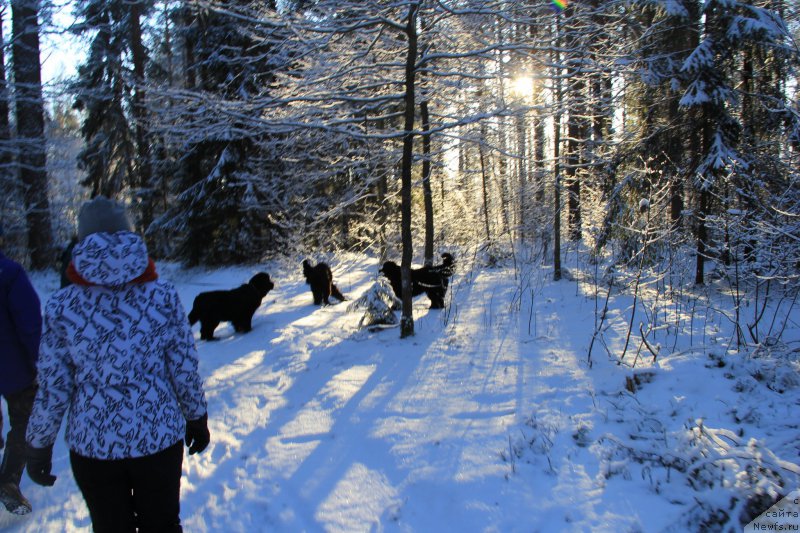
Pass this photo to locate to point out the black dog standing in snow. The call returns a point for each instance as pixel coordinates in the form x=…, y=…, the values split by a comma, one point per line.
x=236, y=306
x=432, y=280
x=320, y=278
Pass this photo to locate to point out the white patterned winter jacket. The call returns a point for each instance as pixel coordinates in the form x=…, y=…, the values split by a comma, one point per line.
x=117, y=354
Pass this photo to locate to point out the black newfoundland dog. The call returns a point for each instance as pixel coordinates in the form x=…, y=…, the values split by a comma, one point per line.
x=320, y=278
x=432, y=280
x=236, y=306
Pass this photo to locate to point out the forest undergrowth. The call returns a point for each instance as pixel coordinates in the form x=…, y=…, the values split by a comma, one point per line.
x=695, y=389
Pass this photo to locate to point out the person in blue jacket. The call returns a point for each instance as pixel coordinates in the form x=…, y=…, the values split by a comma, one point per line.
x=20, y=331
x=118, y=358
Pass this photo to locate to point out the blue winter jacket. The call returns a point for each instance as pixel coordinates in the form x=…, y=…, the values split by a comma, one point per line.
x=20, y=327
x=117, y=357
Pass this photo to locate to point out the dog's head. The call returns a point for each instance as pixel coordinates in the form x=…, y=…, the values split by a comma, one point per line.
x=261, y=283
x=307, y=269
x=390, y=269
x=447, y=259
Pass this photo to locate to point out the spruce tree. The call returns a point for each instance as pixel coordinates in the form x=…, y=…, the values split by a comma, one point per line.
x=100, y=94
x=722, y=170
x=226, y=208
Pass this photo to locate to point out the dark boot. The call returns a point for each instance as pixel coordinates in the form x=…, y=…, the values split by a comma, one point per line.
x=19, y=411
x=13, y=500
x=13, y=464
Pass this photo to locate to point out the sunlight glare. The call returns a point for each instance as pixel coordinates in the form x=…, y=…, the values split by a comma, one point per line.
x=522, y=86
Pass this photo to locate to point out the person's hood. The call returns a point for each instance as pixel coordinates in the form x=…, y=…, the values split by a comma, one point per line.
x=110, y=259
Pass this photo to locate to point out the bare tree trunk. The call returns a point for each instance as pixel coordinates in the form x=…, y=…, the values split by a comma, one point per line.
x=557, y=199
x=485, y=183
x=576, y=128
x=522, y=170
x=6, y=154
x=382, y=217
x=30, y=129
x=407, y=318
x=144, y=172
x=189, y=63
x=702, y=237
x=10, y=207
x=426, y=181
x=557, y=166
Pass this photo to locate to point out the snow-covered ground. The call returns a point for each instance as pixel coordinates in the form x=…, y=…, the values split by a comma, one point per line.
x=489, y=418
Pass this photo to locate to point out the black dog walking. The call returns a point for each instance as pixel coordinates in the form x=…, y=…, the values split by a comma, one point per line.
x=236, y=306
x=432, y=280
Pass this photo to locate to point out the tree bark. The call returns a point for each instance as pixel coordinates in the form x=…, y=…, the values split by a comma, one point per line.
x=143, y=176
x=557, y=165
x=30, y=129
x=426, y=181
x=576, y=127
x=407, y=318
x=6, y=154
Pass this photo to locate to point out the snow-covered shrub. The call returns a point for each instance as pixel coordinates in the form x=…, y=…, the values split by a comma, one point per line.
x=735, y=480
x=378, y=304
x=732, y=480
x=776, y=367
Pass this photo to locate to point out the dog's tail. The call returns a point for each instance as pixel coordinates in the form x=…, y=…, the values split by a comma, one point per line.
x=193, y=318
x=336, y=293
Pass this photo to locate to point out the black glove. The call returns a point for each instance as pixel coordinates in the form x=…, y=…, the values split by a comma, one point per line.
x=39, y=465
x=197, y=435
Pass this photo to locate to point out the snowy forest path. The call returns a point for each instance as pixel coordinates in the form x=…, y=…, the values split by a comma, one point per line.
x=367, y=429
x=317, y=426
x=487, y=419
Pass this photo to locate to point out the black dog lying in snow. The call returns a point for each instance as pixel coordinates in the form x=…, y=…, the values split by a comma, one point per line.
x=236, y=306
x=432, y=280
x=320, y=278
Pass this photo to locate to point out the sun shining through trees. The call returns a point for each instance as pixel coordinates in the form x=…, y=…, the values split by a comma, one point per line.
x=522, y=86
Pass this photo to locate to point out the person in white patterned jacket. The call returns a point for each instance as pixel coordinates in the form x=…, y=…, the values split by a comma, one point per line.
x=118, y=357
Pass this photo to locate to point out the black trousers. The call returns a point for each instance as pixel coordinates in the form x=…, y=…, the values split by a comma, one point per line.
x=129, y=495
x=19, y=405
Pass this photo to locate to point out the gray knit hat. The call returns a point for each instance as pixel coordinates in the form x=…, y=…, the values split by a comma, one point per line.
x=101, y=215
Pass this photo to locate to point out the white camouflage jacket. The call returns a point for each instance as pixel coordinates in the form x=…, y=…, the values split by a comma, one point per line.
x=117, y=355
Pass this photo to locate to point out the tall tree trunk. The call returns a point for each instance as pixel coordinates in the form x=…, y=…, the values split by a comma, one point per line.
x=680, y=38
x=9, y=184
x=30, y=129
x=704, y=196
x=7, y=177
x=557, y=162
x=485, y=187
x=576, y=124
x=426, y=181
x=189, y=63
x=143, y=177
x=673, y=150
x=539, y=156
x=702, y=237
x=407, y=318
x=522, y=171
